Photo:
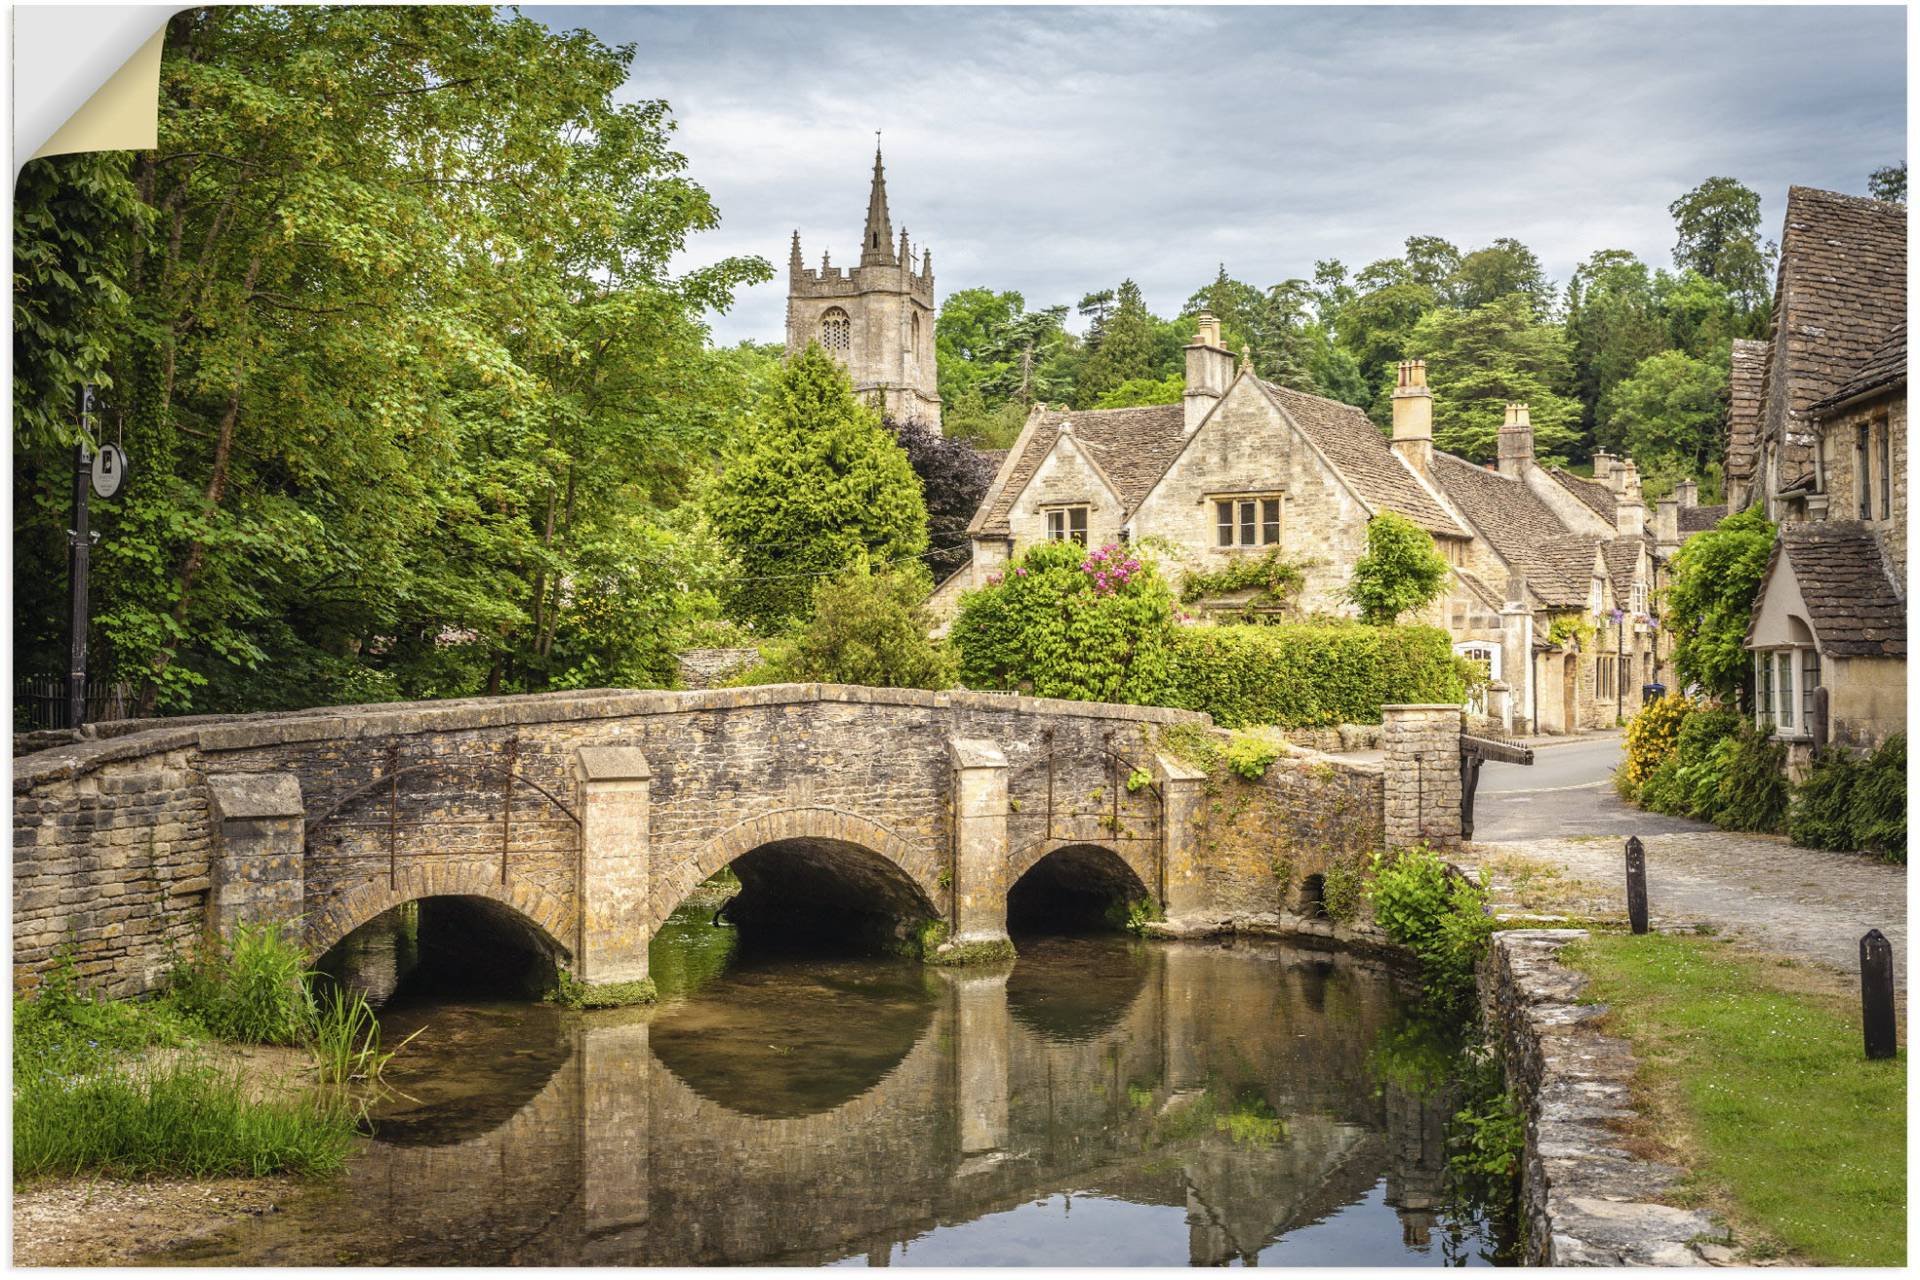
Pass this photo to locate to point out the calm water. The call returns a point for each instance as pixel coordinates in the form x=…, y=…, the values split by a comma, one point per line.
x=1104, y=1102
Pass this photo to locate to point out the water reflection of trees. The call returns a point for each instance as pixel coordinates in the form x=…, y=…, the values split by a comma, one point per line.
x=1231, y=1084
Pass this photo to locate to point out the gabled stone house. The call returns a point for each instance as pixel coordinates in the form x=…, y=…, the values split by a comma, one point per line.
x=1819, y=439
x=1552, y=574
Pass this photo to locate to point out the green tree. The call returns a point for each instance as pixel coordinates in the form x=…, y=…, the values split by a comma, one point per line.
x=1126, y=347
x=867, y=627
x=1503, y=267
x=1374, y=326
x=1143, y=391
x=820, y=482
x=1401, y=570
x=376, y=434
x=1672, y=410
x=1718, y=230
x=1479, y=361
x=1613, y=323
x=1889, y=183
x=1063, y=622
x=1025, y=354
x=1709, y=602
x=1702, y=318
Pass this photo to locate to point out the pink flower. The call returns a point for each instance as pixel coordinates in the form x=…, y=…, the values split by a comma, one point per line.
x=1022, y=571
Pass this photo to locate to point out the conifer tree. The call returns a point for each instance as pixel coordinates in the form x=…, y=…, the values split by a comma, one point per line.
x=820, y=482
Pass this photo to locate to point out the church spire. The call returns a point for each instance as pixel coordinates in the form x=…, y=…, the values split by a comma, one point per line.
x=876, y=247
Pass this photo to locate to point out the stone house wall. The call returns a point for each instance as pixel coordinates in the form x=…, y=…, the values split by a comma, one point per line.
x=1838, y=435
x=1065, y=478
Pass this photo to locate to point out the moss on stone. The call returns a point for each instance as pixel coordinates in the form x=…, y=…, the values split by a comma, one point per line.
x=994, y=951
x=571, y=993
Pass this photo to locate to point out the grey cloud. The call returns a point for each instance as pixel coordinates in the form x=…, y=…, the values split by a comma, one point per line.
x=1055, y=151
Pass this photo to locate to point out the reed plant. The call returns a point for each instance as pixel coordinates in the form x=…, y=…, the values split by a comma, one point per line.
x=344, y=1038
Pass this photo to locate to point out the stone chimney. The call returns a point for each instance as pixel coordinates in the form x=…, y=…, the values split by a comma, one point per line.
x=1629, y=473
x=1688, y=492
x=1413, y=416
x=1666, y=521
x=1516, y=443
x=1209, y=371
x=1630, y=513
x=1603, y=470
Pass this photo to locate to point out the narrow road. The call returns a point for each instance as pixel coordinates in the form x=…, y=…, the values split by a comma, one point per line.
x=1761, y=890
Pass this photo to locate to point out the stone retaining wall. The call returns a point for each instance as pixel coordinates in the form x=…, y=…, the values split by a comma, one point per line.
x=1585, y=1200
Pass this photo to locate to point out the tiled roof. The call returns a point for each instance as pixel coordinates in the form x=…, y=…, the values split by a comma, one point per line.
x=1699, y=519
x=1746, y=406
x=1485, y=594
x=1885, y=368
x=1569, y=560
x=1591, y=492
x=1855, y=612
x=1622, y=558
x=1519, y=526
x=1133, y=446
x=1842, y=289
x=1354, y=445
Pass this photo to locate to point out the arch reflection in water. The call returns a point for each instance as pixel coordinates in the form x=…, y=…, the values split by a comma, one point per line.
x=1225, y=1104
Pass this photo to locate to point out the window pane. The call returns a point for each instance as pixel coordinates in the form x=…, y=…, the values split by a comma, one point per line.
x=1055, y=529
x=1079, y=525
x=1249, y=534
x=1809, y=681
x=1270, y=521
x=1785, y=661
x=1886, y=470
x=1223, y=511
x=1763, y=699
x=1863, y=494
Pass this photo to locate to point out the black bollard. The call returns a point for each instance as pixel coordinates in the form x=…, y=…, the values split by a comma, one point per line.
x=1876, y=995
x=1637, y=884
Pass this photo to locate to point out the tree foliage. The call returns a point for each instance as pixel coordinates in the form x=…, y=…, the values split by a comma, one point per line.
x=1400, y=571
x=1479, y=361
x=953, y=479
x=819, y=482
x=1718, y=226
x=407, y=380
x=1716, y=575
x=1889, y=183
x=867, y=627
x=1064, y=622
x=1671, y=411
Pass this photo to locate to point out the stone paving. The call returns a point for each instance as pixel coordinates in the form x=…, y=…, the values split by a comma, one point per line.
x=1759, y=890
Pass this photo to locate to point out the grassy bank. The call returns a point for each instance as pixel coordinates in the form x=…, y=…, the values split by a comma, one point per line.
x=151, y=1088
x=1758, y=1084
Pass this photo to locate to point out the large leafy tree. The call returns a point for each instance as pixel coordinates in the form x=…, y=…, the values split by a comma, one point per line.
x=1709, y=602
x=1889, y=183
x=867, y=627
x=1718, y=235
x=1503, y=267
x=1479, y=361
x=1613, y=322
x=407, y=380
x=819, y=482
x=1127, y=346
x=1671, y=412
x=953, y=479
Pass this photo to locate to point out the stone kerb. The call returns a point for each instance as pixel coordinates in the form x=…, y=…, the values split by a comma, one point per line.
x=1422, y=768
x=1586, y=1200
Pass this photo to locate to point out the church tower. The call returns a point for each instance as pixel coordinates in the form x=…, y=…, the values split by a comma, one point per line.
x=875, y=318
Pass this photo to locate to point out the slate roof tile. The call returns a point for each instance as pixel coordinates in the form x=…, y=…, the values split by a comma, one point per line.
x=1592, y=492
x=1856, y=613
x=1746, y=407
x=1520, y=528
x=1354, y=445
x=1885, y=369
x=1699, y=519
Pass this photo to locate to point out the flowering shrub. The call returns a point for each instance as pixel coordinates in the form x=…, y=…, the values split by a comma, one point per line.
x=1651, y=736
x=1064, y=622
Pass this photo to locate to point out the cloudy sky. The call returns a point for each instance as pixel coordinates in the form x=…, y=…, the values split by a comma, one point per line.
x=1055, y=151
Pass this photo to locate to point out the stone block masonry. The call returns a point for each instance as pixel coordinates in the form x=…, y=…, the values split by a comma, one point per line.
x=591, y=815
x=1422, y=742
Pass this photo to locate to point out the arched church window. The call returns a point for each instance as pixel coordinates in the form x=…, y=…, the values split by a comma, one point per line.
x=913, y=350
x=836, y=331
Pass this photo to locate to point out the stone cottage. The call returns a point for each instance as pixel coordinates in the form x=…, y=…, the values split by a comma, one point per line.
x=1552, y=574
x=1817, y=436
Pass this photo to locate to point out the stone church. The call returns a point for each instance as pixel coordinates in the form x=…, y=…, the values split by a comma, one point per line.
x=875, y=318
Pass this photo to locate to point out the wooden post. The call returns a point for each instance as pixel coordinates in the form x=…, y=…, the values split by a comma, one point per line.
x=1876, y=995
x=1636, y=884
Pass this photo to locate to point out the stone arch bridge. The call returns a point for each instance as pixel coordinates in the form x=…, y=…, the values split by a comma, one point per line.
x=589, y=816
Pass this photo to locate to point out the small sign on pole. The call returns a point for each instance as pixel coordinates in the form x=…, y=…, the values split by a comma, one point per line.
x=1636, y=884
x=1876, y=995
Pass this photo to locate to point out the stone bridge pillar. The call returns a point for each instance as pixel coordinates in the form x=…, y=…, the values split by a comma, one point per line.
x=1183, y=794
x=979, y=850
x=259, y=850
x=616, y=1152
x=615, y=863
x=1422, y=742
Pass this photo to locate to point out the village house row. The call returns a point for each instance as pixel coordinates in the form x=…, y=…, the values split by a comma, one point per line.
x=1555, y=576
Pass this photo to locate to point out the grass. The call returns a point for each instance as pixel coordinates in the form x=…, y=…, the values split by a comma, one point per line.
x=344, y=1039
x=1760, y=1086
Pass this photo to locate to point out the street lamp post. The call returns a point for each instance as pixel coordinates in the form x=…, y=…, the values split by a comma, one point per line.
x=78, y=545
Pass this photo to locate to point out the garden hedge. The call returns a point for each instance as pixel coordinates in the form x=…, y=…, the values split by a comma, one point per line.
x=1301, y=675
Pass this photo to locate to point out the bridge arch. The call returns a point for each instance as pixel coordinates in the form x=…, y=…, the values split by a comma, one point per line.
x=870, y=863
x=546, y=915
x=1068, y=885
